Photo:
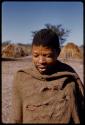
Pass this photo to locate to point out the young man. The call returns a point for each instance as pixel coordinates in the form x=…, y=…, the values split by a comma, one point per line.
x=50, y=91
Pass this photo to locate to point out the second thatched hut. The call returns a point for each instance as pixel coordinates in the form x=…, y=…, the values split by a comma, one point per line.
x=71, y=51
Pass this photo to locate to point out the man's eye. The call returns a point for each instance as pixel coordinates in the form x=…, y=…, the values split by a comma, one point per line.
x=49, y=56
x=35, y=55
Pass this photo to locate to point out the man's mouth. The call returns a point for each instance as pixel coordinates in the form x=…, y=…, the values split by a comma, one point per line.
x=41, y=68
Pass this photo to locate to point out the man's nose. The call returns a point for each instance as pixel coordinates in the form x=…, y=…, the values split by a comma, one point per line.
x=41, y=59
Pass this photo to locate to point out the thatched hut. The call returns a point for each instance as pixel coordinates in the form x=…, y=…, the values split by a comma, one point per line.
x=12, y=50
x=70, y=51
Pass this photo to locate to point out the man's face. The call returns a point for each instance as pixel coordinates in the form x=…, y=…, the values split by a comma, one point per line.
x=43, y=58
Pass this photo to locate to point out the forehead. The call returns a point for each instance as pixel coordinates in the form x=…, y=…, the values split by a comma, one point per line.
x=41, y=48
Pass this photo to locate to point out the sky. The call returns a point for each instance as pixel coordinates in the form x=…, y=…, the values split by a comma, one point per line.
x=20, y=19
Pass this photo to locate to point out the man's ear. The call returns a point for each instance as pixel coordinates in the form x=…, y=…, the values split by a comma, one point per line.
x=58, y=52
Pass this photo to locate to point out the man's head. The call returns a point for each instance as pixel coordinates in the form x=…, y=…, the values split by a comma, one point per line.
x=45, y=49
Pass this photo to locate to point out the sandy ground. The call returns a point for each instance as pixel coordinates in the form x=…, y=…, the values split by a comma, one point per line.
x=8, y=70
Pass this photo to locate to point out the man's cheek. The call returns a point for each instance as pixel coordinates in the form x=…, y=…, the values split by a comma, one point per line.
x=49, y=61
x=34, y=59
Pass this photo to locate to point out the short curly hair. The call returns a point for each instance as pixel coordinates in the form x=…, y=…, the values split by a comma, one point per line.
x=47, y=38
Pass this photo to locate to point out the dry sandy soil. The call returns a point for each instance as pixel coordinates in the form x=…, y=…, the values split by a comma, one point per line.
x=8, y=70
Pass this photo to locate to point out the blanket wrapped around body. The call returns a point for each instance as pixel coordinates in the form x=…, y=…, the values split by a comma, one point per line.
x=53, y=98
